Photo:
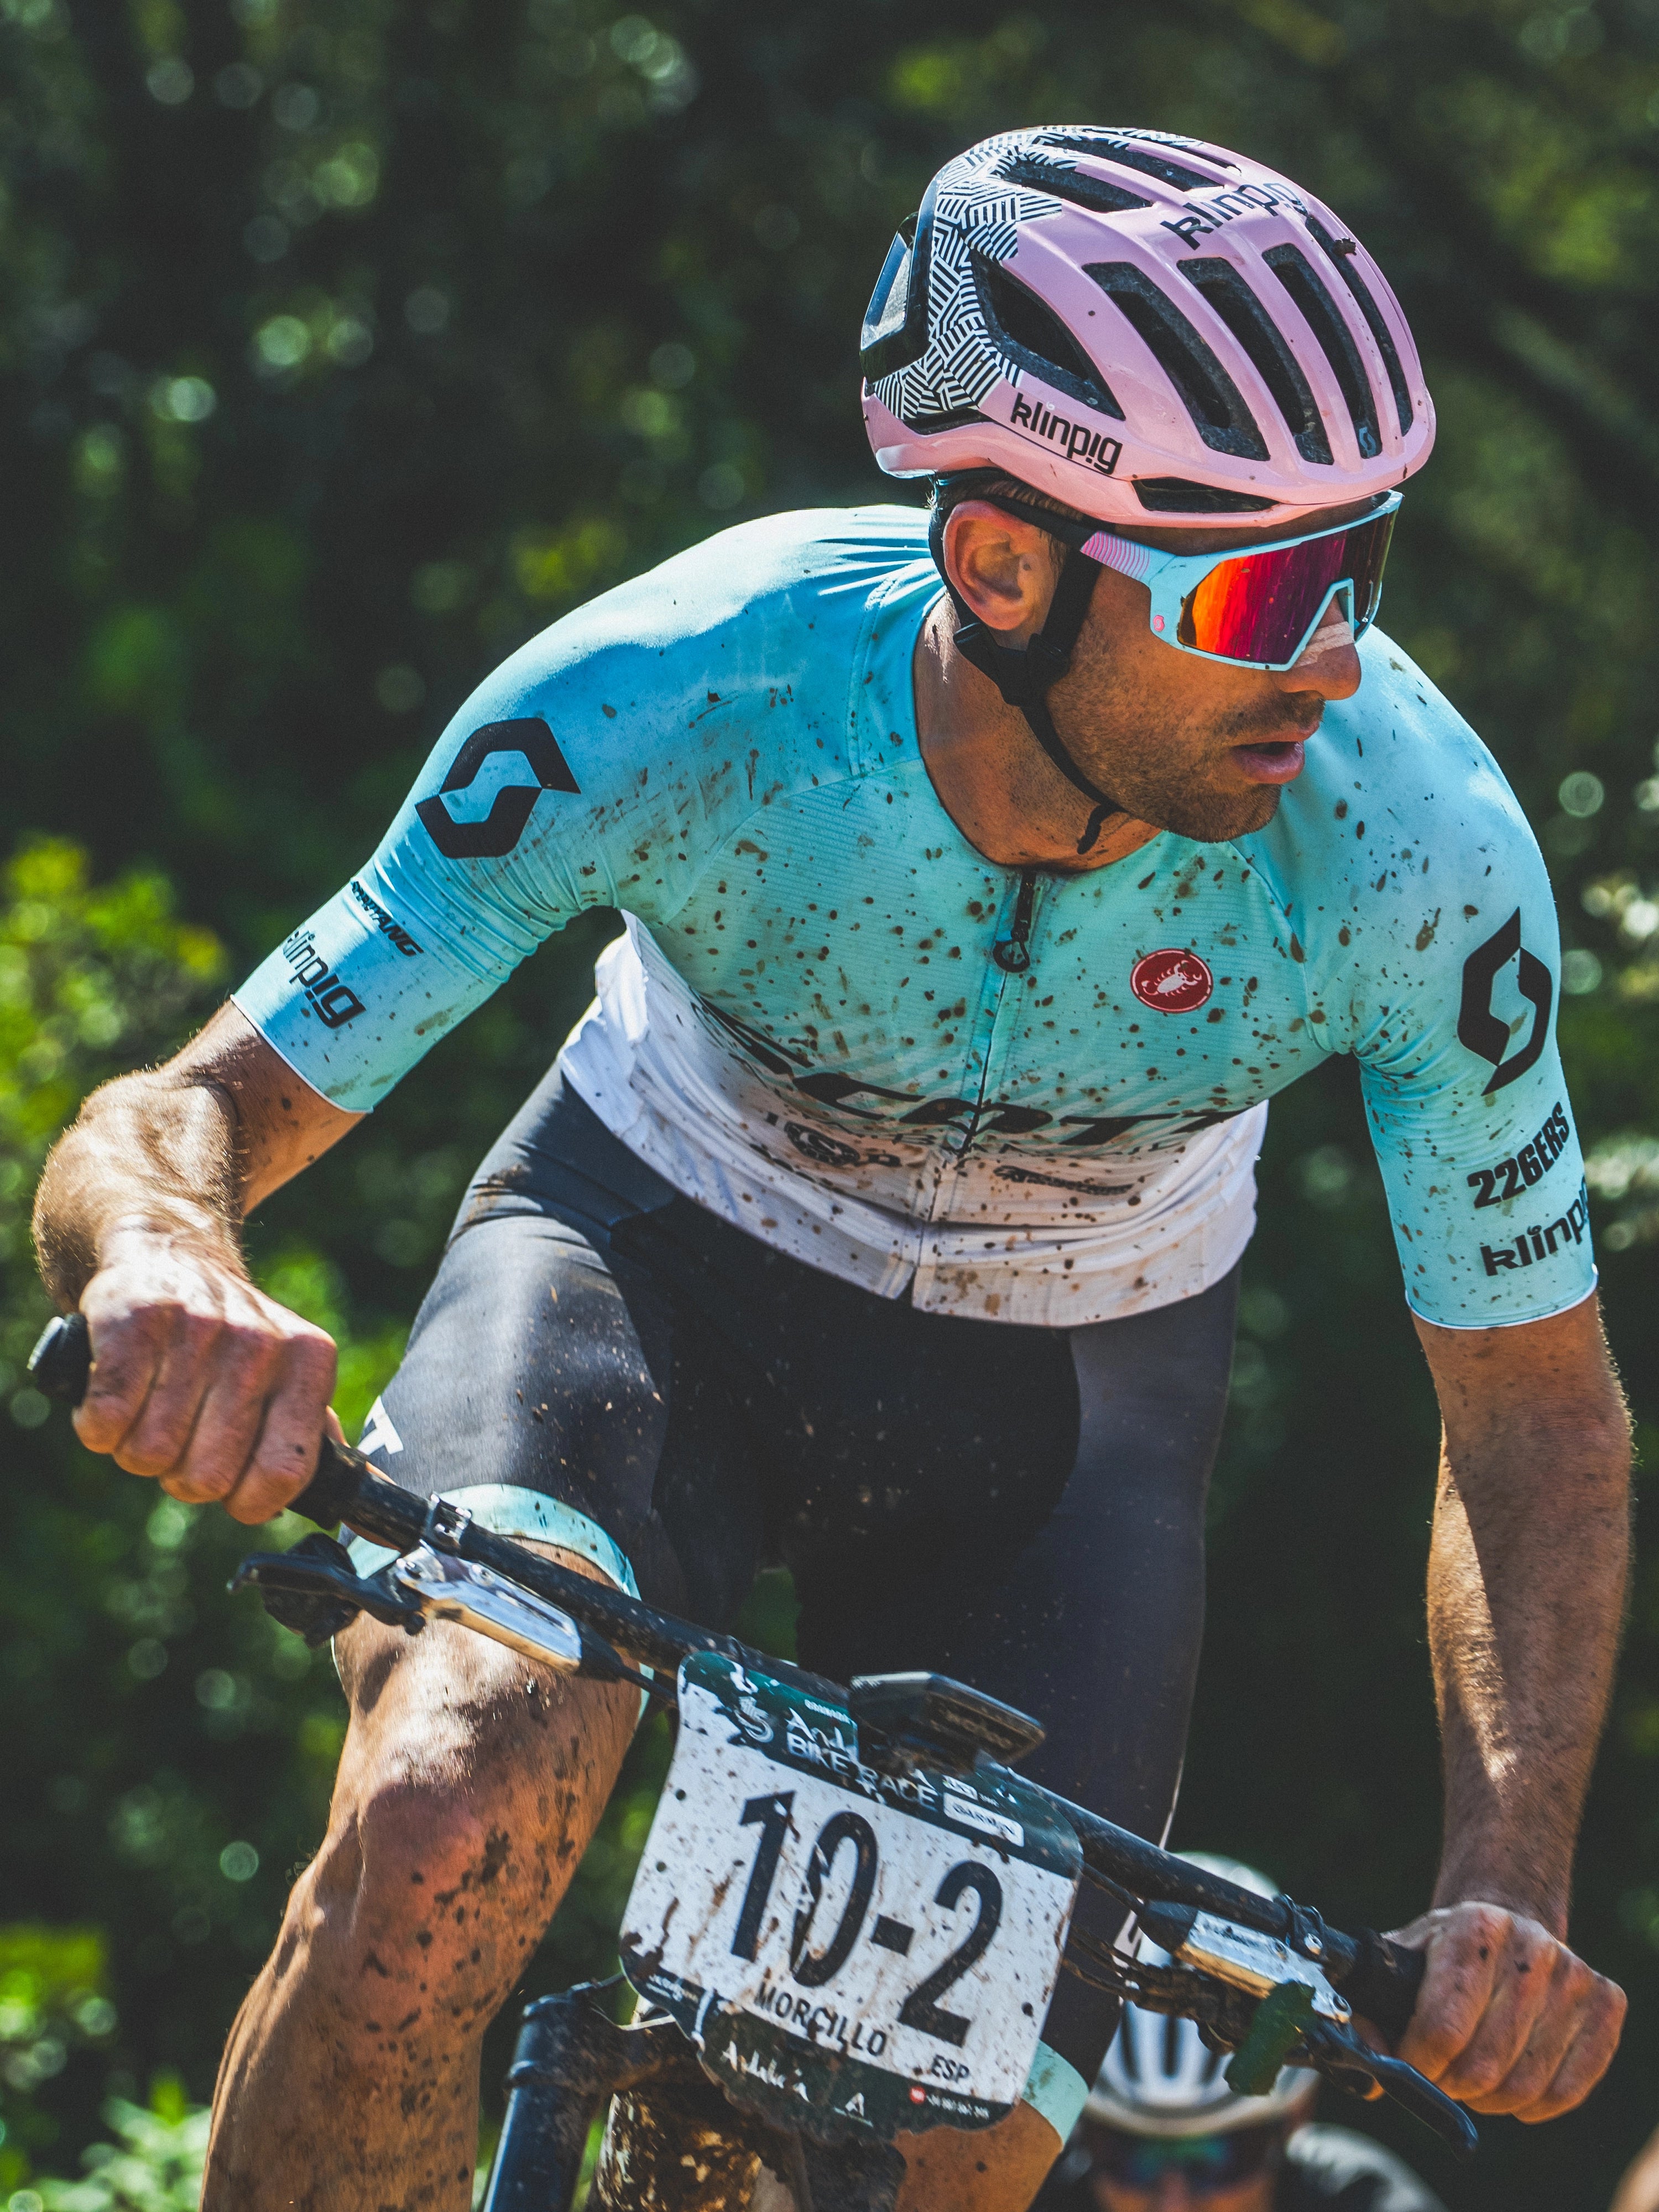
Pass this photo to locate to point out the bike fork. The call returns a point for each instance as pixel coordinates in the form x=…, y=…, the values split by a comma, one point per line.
x=673, y=2142
x=563, y=2067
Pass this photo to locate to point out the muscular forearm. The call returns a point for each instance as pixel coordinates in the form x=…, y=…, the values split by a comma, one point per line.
x=181, y=1152
x=198, y=1377
x=155, y=1152
x=1526, y=1595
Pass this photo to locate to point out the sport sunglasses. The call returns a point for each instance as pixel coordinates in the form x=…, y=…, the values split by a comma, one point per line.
x=1205, y=2163
x=1259, y=608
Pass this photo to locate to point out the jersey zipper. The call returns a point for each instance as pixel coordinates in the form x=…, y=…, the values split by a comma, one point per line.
x=1012, y=953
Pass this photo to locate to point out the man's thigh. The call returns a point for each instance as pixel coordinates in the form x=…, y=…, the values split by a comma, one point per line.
x=527, y=1373
x=1057, y=1560
x=549, y=1385
x=566, y=1390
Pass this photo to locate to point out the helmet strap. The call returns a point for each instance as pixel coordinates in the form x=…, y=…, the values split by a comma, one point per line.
x=1023, y=678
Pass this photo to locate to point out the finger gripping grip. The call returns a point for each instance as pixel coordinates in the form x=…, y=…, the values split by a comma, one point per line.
x=61, y=1362
x=1385, y=1981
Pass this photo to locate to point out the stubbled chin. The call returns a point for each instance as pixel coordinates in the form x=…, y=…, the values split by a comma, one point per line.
x=1208, y=817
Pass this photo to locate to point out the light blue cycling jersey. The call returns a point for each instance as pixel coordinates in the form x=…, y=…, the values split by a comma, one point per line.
x=1030, y=1096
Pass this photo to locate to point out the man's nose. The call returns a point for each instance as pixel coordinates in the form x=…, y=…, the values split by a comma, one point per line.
x=1330, y=661
x=1173, y=2194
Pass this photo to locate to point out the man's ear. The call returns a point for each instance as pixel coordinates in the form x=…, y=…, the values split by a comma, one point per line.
x=1004, y=568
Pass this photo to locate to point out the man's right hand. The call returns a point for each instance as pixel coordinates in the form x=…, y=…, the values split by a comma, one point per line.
x=199, y=1381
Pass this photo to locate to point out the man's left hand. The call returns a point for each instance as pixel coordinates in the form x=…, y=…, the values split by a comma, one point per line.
x=1509, y=2020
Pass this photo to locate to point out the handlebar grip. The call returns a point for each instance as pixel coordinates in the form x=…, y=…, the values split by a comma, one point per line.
x=327, y=1497
x=1383, y=1982
x=61, y=1362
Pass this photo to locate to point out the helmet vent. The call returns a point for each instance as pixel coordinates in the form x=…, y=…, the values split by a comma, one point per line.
x=951, y=419
x=1278, y=367
x=1180, y=495
x=1208, y=393
x=1374, y=322
x=1323, y=317
x=1093, y=192
x=1033, y=336
x=1106, y=146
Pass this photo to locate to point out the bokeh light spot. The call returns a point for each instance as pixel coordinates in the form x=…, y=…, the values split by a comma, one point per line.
x=171, y=80
x=283, y=343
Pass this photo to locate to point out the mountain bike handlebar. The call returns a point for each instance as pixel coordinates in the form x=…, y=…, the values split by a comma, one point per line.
x=1379, y=1978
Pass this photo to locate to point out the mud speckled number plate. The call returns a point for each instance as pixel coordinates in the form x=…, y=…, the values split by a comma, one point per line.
x=850, y=1952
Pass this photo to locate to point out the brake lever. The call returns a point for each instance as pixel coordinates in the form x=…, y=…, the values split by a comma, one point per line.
x=1338, y=2051
x=448, y=1588
x=313, y=1591
x=1224, y=2002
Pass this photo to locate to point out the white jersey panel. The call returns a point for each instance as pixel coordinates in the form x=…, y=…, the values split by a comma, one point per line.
x=1061, y=1245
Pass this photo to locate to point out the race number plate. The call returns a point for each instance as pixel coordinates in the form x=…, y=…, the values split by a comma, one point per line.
x=849, y=1951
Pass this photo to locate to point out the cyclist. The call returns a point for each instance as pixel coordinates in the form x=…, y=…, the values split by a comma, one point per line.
x=884, y=1214
x=1162, y=2132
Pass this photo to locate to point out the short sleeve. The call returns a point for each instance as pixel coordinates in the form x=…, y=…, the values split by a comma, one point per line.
x=602, y=765
x=538, y=800
x=1468, y=1107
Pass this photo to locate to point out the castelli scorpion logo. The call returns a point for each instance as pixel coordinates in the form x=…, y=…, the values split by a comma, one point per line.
x=1172, y=982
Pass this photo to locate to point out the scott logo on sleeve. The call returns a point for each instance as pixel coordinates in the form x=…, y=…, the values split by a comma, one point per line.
x=1482, y=1030
x=534, y=742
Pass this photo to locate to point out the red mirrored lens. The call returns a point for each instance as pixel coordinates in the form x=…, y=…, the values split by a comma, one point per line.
x=1258, y=607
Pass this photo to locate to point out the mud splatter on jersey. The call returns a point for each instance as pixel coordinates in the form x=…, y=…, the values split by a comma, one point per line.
x=1033, y=1098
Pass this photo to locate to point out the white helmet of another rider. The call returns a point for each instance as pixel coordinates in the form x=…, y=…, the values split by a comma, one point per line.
x=1151, y=329
x=1160, y=2077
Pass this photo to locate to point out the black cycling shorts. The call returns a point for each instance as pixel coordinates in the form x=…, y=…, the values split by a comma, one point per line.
x=1022, y=1507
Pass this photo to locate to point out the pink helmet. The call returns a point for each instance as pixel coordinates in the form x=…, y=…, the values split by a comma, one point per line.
x=1148, y=328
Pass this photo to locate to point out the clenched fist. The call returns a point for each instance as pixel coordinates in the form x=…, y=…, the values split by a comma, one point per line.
x=1509, y=2020
x=199, y=1380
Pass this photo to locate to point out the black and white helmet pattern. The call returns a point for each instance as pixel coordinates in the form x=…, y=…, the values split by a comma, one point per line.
x=1143, y=326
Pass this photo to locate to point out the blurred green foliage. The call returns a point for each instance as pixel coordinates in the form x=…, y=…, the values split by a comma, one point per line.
x=162, y=1744
x=90, y=982
x=342, y=346
x=53, y=1998
x=155, y=2164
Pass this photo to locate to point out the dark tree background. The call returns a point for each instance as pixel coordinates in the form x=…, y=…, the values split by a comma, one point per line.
x=343, y=345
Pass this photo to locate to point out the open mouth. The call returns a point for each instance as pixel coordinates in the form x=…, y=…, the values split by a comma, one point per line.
x=1277, y=761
